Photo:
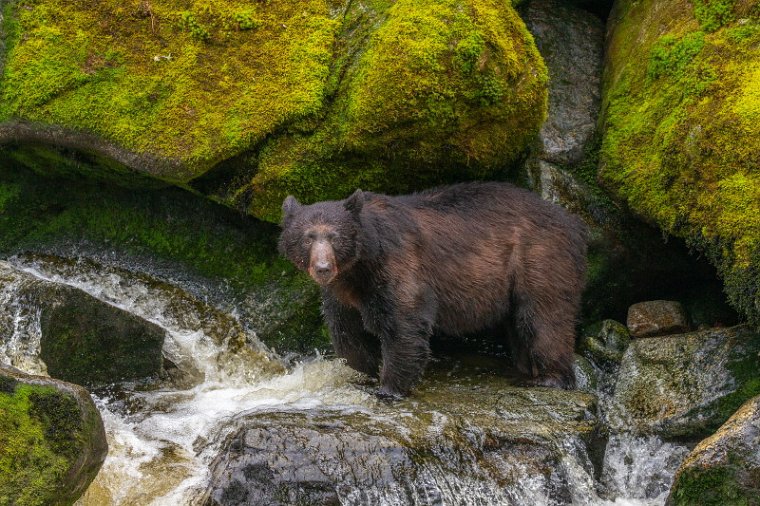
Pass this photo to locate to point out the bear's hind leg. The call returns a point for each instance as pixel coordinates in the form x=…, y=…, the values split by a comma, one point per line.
x=351, y=341
x=545, y=342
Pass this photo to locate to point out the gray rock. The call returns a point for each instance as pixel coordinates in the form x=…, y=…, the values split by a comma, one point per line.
x=656, y=318
x=685, y=385
x=586, y=376
x=725, y=467
x=557, y=185
x=571, y=42
x=53, y=439
x=80, y=338
x=605, y=342
x=475, y=438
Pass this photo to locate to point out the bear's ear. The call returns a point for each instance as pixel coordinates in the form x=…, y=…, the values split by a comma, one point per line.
x=354, y=203
x=289, y=207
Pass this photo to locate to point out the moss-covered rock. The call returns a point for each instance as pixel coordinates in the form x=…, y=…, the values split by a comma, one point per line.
x=605, y=342
x=723, y=469
x=52, y=440
x=90, y=342
x=313, y=98
x=681, y=141
x=685, y=385
x=80, y=338
x=225, y=257
x=218, y=335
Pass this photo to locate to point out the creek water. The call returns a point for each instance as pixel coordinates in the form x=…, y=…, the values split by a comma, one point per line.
x=163, y=438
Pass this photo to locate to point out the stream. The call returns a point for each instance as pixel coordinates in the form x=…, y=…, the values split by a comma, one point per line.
x=165, y=439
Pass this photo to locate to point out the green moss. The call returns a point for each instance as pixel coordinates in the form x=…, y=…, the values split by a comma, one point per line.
x=680, y=116
x=452, y=90
x=39, y=436
x=443, y=91
x=670, y=56
x=712, y=14
x=708, y=487
x=169, y=225
x=192, y=82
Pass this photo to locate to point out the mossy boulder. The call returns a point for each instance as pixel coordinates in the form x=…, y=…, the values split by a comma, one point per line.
x=681, y=143
x=723, y=469
x=312, y=98
x=82, y=339
x=89, y=342
x=219, y=255
x=52, y=439
x=685, y=385
x=605, y=342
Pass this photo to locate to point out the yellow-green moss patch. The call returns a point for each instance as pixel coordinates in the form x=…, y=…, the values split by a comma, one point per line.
x=268, y=98
x=441, y=90
x=682, y=138
x=191, y=81
x=39, y=438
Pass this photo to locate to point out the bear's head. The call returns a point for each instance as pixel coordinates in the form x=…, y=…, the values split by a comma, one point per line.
x=323, y=238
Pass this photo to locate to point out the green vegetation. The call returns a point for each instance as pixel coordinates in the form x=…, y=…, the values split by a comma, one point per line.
x=713, y=487
x=712, y=14
x=439, y=94
x=681, y=143
x=167, y=225
x=158, y=77
x=313, y=98
x=41, y=434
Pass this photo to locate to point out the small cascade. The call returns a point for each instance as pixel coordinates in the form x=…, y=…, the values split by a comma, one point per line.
x=164, y=439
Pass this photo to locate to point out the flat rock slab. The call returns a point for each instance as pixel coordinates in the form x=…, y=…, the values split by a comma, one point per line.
x=450, y=440
x=656, y=318
x=685, y=385
x=725, y=467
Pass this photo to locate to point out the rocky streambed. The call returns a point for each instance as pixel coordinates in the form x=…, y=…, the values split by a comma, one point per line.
x=224, y=420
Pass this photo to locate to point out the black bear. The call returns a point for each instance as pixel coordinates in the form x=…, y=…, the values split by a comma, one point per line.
x=454, y=260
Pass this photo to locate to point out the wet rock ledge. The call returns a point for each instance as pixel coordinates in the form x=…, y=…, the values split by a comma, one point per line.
x=453, y=439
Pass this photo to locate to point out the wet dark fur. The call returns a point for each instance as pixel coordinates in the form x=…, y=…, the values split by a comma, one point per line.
x=453, y=260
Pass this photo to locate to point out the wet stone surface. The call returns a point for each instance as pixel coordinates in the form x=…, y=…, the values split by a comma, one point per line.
x=685, y=385
x=571, y=42
x=466, y=439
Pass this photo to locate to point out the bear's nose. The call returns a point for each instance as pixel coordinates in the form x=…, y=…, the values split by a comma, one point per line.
x=322, y=267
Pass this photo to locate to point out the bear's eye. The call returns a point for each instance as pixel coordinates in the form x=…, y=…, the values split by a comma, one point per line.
x=332, y=236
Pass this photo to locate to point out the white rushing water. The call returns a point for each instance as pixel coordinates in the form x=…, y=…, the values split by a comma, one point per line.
x=162, y=441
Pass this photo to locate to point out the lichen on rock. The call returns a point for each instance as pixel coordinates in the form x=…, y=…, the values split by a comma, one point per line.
x=685, y=385
x=681, y=140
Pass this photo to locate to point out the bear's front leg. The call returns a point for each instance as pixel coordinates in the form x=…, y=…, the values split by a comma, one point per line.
x=349, y=338
x=406, y=352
